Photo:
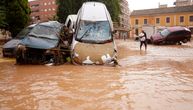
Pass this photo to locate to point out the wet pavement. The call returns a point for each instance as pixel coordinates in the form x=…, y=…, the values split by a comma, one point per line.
x=159, y=79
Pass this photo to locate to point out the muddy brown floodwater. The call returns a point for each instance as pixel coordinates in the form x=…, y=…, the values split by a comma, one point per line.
x=159, y=79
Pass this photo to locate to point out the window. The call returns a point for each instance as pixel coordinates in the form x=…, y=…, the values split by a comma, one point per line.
x=157, y=20
x=45, y=10
x=165, y=32
x=37, y=17
x=122, y=19
x=136, y=21
x=35, y=11
x=34, y=6
x=181, y=19
x=167, y=19
x=145, y=21
x=191, y=19
x=136, y=32
x=45, y=3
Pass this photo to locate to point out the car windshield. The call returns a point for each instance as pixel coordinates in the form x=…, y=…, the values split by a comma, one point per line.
x=44, y=32
x=23, y=33
x=165, y=32
x=96, y=32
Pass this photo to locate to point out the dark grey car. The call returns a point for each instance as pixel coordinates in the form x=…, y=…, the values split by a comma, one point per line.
x=9, y=48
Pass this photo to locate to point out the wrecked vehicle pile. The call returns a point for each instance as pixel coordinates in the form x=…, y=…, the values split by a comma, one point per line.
x=85, y=38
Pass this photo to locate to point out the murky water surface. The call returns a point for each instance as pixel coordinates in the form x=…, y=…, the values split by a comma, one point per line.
x=159, y=79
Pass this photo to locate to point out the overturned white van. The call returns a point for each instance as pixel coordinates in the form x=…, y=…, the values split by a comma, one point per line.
x=93, y=41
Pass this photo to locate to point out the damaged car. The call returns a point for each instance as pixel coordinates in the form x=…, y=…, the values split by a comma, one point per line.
x=9, y=48
x=42, y=45
x=93, y=41
x=172, y=35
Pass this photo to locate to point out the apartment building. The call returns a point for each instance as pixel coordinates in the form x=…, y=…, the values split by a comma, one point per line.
x=123, y=26
x=42, y=10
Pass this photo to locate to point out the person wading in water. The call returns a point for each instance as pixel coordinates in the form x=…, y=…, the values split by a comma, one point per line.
x=143, y=39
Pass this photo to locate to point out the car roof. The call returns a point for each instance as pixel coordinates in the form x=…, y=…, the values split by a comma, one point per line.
x=32, y=25
x=177, y=28
x=54, y=24
x=94, y=11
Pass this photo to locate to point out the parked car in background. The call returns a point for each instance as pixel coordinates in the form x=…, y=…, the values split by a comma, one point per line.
x=172, y=35
x=9, y=48
x=93, y=41
x=42, y=45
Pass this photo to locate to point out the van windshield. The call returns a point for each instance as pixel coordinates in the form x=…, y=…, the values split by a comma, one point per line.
x=95, y=32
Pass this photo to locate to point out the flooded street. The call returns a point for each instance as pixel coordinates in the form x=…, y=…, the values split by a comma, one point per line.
x=159, y=79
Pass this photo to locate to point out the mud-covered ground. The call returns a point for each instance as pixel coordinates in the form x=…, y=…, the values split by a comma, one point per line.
x=159, y=79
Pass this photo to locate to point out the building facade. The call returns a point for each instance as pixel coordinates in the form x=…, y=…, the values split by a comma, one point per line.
x=161, y=17
x=123, y=26
x=42, y=10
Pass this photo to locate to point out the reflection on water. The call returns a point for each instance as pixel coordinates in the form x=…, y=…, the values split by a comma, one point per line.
x=161, y=79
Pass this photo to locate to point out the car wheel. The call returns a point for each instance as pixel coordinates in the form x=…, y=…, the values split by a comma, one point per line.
x=185, y=41
x=163, y=42
x=148, y=41
x=179, y=43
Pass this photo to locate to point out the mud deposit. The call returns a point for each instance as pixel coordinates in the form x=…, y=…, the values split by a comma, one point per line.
x=159, y=79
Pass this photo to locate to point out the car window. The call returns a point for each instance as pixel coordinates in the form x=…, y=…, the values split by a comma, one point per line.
x=180, y=33
x=23, y=33
x=165, y=32
x=97, y=32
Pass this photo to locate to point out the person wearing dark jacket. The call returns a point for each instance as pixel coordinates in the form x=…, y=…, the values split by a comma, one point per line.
x=143, y=39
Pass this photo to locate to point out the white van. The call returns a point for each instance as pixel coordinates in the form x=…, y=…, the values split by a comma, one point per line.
x=93, y=41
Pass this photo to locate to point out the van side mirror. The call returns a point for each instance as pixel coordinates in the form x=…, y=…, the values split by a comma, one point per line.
x=71, y=31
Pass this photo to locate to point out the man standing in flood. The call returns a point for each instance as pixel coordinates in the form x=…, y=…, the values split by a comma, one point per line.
x=143, y=39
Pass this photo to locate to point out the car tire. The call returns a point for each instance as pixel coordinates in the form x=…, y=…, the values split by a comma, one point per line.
x=185, y=40
x=179, y=43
